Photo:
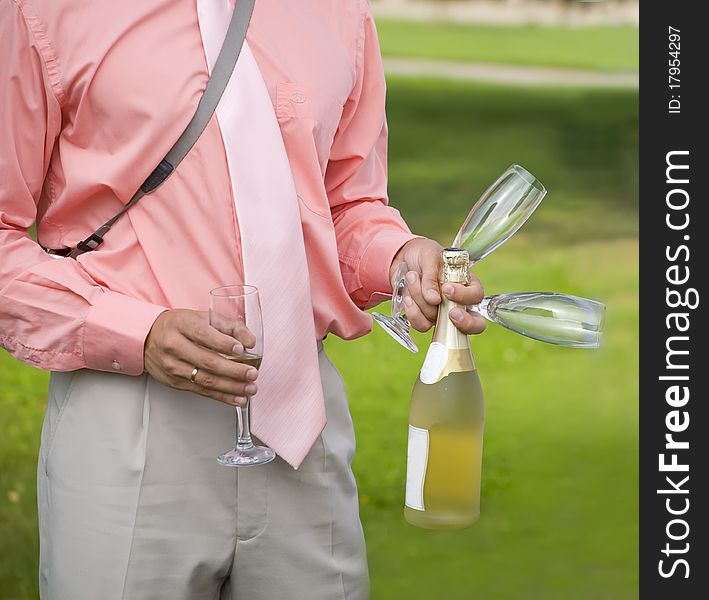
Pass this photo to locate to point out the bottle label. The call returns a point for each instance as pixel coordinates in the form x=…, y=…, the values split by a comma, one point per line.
x=436, y=359
x=417, y=458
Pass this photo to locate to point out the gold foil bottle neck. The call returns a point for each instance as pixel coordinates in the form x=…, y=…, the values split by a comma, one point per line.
x=456, y=266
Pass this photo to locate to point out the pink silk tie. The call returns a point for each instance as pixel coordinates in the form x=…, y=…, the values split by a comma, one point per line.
x=288, y=412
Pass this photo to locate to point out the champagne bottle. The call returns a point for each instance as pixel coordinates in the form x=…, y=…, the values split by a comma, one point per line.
x=446, y=423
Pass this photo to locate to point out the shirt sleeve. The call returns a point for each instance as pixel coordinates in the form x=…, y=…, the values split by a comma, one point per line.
x=53, y=315
x=369, y=233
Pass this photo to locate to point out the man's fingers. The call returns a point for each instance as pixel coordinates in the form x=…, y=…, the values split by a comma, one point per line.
x=415, y=290
x=230, y=399
x=462, y=294
x=227, y=337
x=208, y=383
x=217, y=365
x=469, y=323
x=430, y=265
x=177, y=374
x=236, y=330
x=216, y=371
x=417, y=319
x=242, y=333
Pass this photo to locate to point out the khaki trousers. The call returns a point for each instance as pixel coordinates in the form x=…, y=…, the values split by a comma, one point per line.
x=133, y=505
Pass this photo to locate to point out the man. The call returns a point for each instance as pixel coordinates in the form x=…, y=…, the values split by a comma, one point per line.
x=131, y=501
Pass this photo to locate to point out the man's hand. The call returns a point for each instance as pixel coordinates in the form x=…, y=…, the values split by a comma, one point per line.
x=181, y=340
x=423, y=258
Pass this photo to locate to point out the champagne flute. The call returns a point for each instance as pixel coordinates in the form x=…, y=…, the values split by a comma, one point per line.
x=501, y=210
x=547, y=316
x=232, y=309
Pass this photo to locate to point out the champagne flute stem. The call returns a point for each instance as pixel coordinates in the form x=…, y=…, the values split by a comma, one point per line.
x=481, y=308
x=243, y=438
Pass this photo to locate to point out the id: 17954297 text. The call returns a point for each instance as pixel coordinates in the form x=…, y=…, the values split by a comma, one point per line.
x=673, y=73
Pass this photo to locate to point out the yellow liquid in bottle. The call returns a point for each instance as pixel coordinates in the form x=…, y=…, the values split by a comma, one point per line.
x=451, y=413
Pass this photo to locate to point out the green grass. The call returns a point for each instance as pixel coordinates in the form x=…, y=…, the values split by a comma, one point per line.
x=559, y=505
x=559, y=500
x=449, y=140
x=22, y=402
x=597, y=48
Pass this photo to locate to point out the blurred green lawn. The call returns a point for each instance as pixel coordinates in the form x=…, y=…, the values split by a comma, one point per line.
x=600, y=48
x=559, y=507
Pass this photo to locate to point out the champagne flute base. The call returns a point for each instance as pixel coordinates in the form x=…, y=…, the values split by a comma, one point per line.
x=249, y=456
x=398, y=329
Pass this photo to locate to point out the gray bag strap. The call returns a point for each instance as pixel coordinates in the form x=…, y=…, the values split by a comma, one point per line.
x=221, y=73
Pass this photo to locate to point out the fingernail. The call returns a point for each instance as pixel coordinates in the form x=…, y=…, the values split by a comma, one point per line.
x=238, y=400
x=251, y=389
x=251, y=374
x=411, y=277
x=237, y=349
x=456, y=314
x=433, y=296
x=408, y=301
x=447, y=289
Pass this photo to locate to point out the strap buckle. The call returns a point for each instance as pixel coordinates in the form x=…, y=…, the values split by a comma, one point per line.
x=89, y=244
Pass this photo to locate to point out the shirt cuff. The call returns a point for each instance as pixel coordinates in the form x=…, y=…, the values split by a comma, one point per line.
x=115, y=332
x=375, y=264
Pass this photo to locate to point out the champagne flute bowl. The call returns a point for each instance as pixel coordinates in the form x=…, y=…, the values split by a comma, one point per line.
x=550, y=317
x=501, y=210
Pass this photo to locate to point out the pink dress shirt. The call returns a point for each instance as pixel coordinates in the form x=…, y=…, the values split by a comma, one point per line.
x=93, y=96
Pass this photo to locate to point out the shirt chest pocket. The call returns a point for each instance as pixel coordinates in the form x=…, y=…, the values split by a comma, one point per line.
x=308, y=118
